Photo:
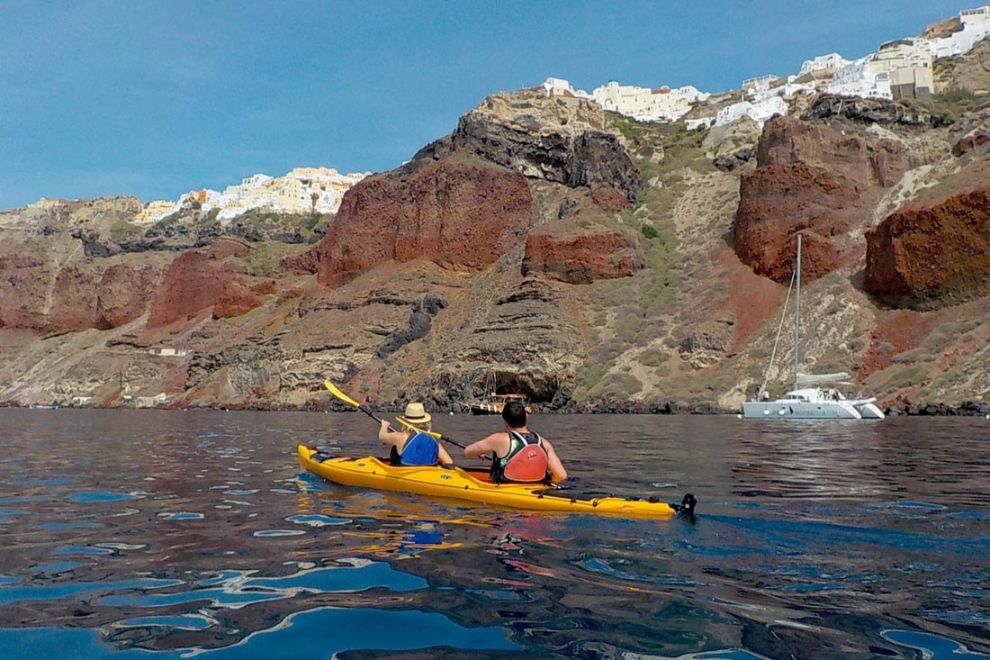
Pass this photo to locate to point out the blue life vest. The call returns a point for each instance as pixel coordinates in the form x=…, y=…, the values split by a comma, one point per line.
x=420, y=449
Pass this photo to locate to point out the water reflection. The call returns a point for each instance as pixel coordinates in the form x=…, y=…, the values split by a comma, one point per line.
x=837, y=538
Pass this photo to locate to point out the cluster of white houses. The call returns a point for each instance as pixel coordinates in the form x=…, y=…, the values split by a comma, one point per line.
x=640, y=103
x=303, y=190
x=898, y=69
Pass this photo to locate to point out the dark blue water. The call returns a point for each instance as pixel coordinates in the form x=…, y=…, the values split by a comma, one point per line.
x=194, y=533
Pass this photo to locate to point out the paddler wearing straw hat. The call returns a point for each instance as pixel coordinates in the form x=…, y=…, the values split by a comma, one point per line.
x=410, y=446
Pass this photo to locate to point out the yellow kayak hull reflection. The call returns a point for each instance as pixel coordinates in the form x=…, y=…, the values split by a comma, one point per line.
x=457, y=483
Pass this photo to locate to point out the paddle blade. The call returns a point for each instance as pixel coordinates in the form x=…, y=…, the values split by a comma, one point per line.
x=340, y=395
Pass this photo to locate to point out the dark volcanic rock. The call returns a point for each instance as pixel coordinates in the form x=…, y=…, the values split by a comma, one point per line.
x=931, y=256
x=880, y=111
x=552, y=138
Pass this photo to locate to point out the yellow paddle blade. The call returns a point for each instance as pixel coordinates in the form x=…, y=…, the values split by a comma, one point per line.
x=340, y=395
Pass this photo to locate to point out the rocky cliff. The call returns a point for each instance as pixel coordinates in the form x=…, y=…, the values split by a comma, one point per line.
x=587, y=260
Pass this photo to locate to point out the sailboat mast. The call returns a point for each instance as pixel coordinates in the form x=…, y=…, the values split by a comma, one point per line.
x=797, y=314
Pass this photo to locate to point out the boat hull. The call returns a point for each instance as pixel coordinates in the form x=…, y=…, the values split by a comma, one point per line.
x=486, y=409
x=785, y=409
x=457, y=483
x=869, y=411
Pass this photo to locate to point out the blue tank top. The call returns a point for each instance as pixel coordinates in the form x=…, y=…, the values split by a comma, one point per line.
x=420, y=449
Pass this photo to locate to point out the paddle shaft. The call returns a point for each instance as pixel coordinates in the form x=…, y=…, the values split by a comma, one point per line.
x=348, y=400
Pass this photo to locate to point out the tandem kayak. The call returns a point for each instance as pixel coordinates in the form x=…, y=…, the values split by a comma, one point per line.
x=474, y=485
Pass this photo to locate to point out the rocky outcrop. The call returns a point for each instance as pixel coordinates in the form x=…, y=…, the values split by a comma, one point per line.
x=124, y=294
x=928, y=257
x=559, y=139
x=816, y=181
x=969, y=71
x=420, y=322
x=198, y=280
x=24, y=283
x=879, y=111
x=972, y=140
x=556, y=251
x=454, y=214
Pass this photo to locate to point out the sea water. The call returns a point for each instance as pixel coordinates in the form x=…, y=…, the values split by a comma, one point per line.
x=195, y=533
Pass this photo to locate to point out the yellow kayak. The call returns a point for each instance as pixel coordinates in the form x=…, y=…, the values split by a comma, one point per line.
x=473, y=485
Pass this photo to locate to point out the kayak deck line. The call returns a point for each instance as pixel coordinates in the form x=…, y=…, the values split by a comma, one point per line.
x=474, y=485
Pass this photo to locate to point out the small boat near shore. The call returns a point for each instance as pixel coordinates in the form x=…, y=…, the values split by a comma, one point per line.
x=493, y=404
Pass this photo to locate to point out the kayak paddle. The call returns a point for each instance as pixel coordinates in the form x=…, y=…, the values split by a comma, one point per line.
x=351, y=402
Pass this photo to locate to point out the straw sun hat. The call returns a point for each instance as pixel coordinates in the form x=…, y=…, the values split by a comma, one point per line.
x=415, y=415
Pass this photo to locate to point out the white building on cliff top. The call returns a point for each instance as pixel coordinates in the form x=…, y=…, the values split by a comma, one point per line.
x=645, y=104
x=975, y=27
x=302, y=190
x=640, y=103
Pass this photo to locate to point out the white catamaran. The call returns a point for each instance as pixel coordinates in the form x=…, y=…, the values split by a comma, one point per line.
x=811, y=397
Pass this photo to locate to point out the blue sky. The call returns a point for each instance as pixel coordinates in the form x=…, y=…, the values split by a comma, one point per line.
x=156, y=98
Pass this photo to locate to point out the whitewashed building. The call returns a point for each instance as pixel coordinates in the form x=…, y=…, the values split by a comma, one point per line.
x=646, y=104
x=758, y=110
x=302, y=190
x=908, y=65
x=975, y=27
x=858, y=79
x=823, y=65
x=561, y=87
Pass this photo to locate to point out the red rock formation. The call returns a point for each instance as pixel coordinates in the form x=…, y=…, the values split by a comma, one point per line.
x=454, y=214
x=74, y=299
x=124, y=294
x=931, y=256
x=23, y=289
x=814, y=180
x=578, y=259
x=972, y=140
x=236, y=299
x=609, y=200
x=196, y=281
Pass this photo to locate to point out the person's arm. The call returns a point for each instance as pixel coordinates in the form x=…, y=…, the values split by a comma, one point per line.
x=481, y=447
x=390, y=437
x=557, y=471
x=443, y=456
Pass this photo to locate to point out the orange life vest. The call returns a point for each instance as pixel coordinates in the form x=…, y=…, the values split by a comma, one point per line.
x=526, y=461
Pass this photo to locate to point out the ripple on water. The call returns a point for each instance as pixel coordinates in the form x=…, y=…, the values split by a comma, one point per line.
x=79, y=524
x=317, y=520
x=57, y=566
x=13, y=512
x=180, y=622
x=100, y=496
x=90, y=550
x=181, y=515
x=931, y=646
x=122, y=546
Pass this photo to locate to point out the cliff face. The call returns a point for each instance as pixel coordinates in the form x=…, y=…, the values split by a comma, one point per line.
x=815, y=180
x=454, y=214
x=932, y=256
x=587, y=260
x=559, y=139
